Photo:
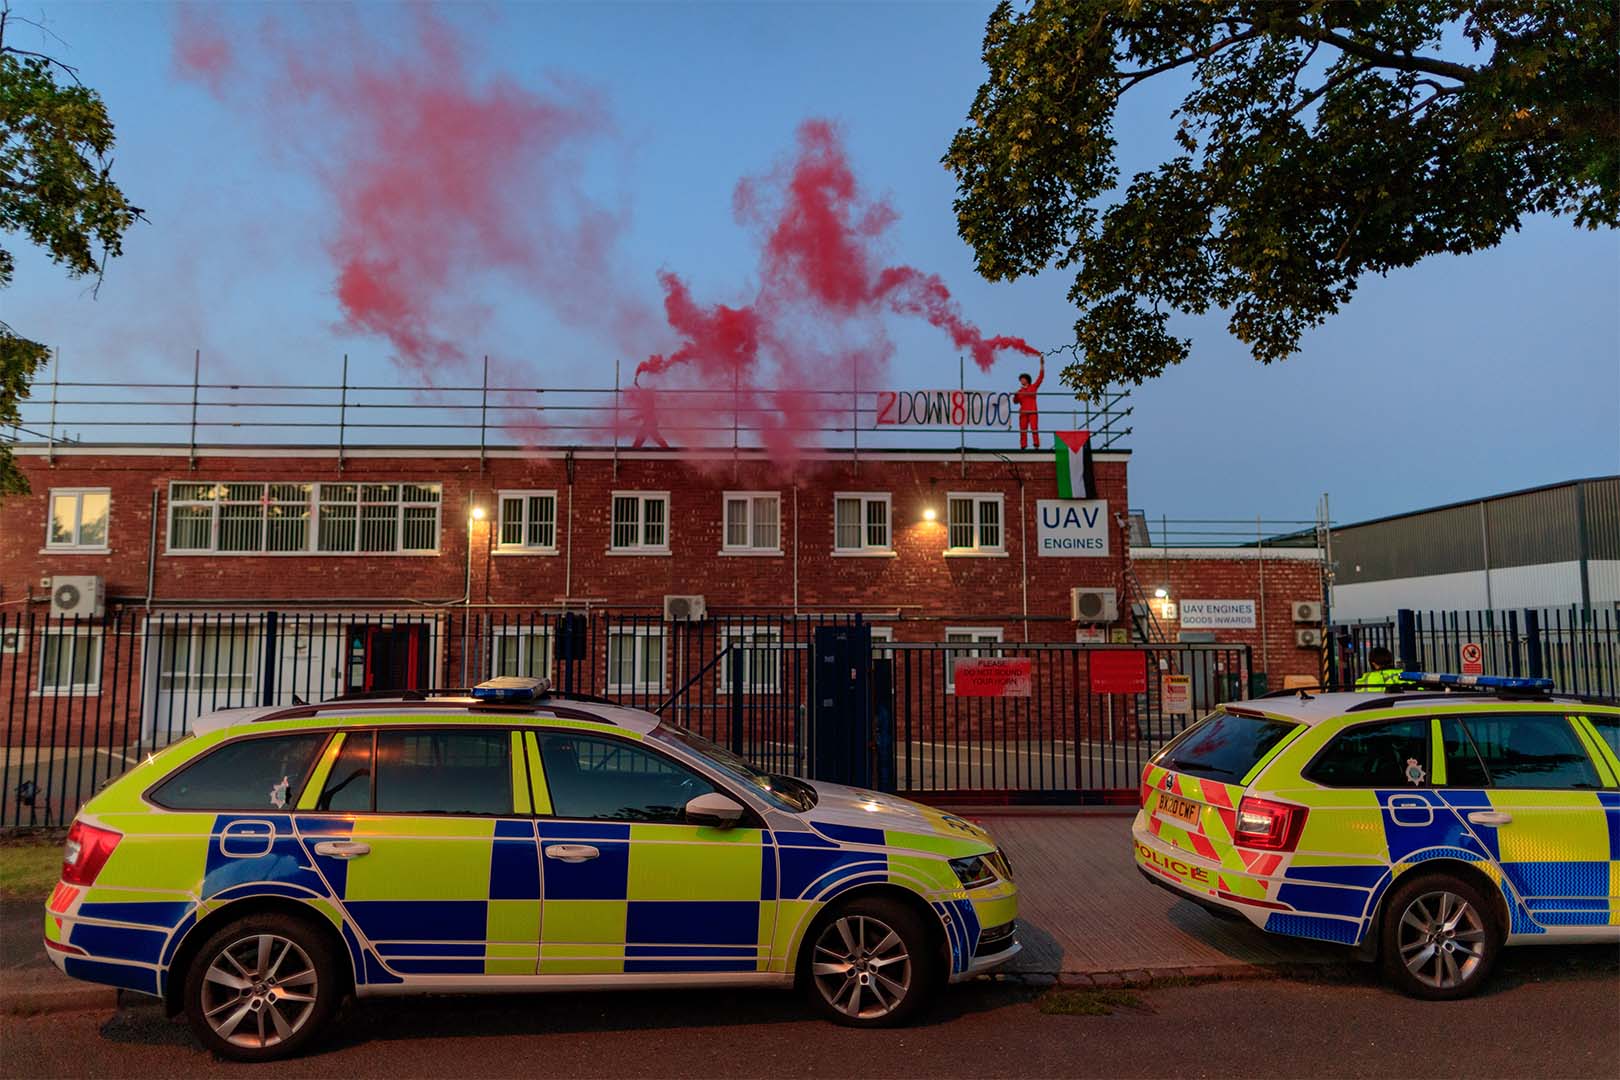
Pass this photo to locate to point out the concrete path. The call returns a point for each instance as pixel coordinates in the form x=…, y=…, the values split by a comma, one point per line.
x=1087, y=915
x=1085, y=910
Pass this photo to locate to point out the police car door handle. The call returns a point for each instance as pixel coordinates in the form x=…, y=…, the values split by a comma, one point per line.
x=342, y=849
x=571, y=853
x=1490, y=817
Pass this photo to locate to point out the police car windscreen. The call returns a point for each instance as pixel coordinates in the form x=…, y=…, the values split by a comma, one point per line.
x=1224, y=747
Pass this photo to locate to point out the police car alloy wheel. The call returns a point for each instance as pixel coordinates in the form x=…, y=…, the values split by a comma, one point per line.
x=870, y=963
x=1440, y=938
x=261, y=988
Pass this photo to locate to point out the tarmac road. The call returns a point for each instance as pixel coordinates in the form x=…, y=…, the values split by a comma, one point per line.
x=1548, y=1013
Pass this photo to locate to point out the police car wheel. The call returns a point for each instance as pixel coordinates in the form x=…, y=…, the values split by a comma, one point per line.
x=869, y=963
x=261, y=988
x=1439, y=937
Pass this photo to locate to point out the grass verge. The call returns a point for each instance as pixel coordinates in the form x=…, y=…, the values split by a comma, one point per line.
x=29, y=868
x=1060, y=1002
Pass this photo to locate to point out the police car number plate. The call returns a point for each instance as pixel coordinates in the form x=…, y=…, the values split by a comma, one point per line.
x=1178, y=808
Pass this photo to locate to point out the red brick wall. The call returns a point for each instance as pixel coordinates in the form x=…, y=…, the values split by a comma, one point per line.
x=1285, y=580
x=918, y=581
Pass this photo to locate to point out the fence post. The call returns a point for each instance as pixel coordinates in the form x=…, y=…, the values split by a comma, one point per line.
x=1513, y=643
x=268, y=681
x=1406, y=639
x=736, y=699
x=1532, y=641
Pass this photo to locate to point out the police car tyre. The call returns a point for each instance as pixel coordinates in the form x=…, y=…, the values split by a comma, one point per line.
x=869, y=962
x=261, y=988
x=1439, y=936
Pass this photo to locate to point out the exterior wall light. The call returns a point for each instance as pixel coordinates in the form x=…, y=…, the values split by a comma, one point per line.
x=1161, y=592
x=929, y=513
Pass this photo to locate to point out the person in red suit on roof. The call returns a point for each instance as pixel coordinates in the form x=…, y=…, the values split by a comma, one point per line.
x=1029, y=415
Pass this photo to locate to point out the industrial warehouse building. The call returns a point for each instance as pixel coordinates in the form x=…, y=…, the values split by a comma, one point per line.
x=1555, y=546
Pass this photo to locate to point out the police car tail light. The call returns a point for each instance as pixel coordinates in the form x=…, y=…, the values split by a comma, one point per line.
x=1273, y=826
x=86, y=852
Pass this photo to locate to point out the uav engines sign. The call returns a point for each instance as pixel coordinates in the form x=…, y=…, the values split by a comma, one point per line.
x=1071, y=528
x=1217, y=614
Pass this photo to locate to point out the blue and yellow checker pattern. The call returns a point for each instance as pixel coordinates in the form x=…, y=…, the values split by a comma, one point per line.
x=1555, y=858
x=453, y=901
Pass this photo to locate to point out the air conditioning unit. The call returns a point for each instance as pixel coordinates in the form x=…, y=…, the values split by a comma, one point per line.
x=1308, y=639
x=1093, y=605
x=1307, y=611
x=685, y=608
x=77, y=595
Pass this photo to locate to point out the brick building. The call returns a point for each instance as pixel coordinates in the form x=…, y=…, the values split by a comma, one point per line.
x=231, y=576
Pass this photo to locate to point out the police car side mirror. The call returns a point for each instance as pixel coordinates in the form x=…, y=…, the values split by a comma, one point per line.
x=714, y=810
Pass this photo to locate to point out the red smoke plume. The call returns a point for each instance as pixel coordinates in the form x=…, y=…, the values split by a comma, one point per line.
x=439, y=180
x=821, y=281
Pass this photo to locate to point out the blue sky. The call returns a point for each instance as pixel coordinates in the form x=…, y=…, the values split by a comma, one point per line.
x=1465, y=376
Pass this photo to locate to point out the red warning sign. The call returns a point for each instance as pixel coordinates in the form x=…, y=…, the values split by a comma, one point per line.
x=1473, y=658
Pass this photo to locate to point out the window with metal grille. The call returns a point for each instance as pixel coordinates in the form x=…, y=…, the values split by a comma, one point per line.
x=528, y=521
x=275, y=518
x=974, y=524
x=753, y=522
x=641, y=522
x=861, y=522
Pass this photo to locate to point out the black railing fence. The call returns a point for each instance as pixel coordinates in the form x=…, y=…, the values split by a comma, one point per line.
x=86, y=699
x=1577, y=648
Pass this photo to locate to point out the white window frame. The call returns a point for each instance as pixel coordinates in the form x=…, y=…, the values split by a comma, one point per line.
x=978, y=499
x=982, y=635
x=524, y=548
x=752, y=640
x=519, y=635
x=312, y=502
x=866, y=548
x=882, y=636
x=640, y=547
x=641, y=635
x=68, y=632
x=223, y=685
x=748, y=498
x=77, y=494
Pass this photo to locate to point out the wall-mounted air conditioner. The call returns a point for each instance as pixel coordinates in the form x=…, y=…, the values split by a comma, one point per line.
x=1308, y=639
x=685, y=608
x=77, y=595
x=1093, y=605
x=1307, y=611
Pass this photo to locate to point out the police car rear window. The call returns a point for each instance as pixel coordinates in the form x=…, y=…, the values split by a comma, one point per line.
x=248, y=774
x=1225, y=746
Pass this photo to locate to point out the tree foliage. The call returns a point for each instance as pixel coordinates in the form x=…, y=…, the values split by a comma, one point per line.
x=56, y=190
x=1316, y=142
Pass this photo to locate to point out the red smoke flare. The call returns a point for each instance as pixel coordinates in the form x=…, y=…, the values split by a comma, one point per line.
x=820, y=276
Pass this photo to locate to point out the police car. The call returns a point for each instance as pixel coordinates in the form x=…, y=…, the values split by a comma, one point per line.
x=279, y=859
x=1431, y=826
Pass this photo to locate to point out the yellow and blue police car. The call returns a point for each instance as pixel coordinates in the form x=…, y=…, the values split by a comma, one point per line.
x=1427, y=825
x=279, y=859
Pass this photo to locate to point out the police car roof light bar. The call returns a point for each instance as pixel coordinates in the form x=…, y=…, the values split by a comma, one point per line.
x=511, y=688
x=1480, y=682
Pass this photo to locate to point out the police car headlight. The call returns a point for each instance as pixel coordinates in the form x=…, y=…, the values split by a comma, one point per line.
x=973, y=871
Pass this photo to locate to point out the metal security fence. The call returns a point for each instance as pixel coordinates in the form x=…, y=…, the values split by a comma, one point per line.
x=85, y=699
x=1577, y=648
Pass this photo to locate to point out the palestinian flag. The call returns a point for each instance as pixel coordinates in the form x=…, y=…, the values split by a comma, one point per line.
x=1074, y=478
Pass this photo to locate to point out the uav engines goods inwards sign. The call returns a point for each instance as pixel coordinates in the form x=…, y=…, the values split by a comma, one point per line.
x=1071, y=527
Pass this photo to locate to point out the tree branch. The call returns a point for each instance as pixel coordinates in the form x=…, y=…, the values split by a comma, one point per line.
x=1381, y=58
x=1135, y=77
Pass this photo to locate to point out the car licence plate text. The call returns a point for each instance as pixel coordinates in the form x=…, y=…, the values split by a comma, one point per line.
x=1178, y=808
